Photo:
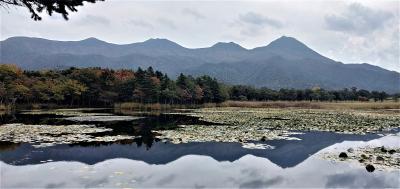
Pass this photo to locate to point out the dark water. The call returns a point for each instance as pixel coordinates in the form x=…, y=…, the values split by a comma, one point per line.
x=148, y=162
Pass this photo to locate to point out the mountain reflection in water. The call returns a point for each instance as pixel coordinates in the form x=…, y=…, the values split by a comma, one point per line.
x=149, y=162
x=195, y=171
x=287, y=153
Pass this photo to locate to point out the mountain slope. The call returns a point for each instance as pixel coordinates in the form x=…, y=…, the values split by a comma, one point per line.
x=278, y=72
x=283, y=63
x=289, y=48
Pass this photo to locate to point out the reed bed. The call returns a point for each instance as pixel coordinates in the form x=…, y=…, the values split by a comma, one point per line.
x=158, y=106
x=354, y=105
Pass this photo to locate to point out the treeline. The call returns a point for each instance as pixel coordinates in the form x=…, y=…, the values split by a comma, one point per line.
x=97, y=87
x=240, y=92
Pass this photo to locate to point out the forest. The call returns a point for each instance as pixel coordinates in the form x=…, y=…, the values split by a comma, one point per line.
x=102, y=87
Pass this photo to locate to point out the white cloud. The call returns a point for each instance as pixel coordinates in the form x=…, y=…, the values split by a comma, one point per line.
x=94, y=20
x=361, y=31
x=140, y=23
x=252, y=24
x=166, y=22
x=359, y=19
x=259, y=20
x=194, y=13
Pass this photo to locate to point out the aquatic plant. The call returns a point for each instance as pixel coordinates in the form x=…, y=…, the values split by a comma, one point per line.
x=55, y=134
x=354, y=122
x=218, y=133
x=101, y=118
x=371, y=157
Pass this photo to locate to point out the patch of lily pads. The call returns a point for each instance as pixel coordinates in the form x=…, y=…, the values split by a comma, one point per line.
x=66, y=112
x=381, y=154
x=373, y=158
x=45, y=135
x=340, y=121
x=101, y=118
x=79, y=115
x=223, y=133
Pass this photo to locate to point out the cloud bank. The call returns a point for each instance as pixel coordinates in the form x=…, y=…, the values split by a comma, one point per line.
x=347, y=31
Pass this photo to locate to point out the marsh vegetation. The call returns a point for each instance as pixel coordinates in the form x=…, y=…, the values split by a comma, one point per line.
x=285, y=136
x=98, y=87
x=167, y=120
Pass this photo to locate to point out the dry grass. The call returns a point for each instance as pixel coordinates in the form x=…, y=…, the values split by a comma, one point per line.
x=363, y=105
x=4, y=107
x=355, y=105
x=134, y=105
x=350, y=105
x=158, y=106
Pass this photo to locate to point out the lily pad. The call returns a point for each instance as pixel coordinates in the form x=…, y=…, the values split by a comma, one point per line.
x=65, y=112
x=341, y=121
x=45, y=135
x=218, y=133
x=369, y=153
x=102, y=118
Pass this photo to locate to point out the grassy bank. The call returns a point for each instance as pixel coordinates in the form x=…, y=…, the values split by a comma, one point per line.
x=39, y=106
x=158, y=106
x=242, y=124
x=355, y=105
x=4, y=107
x=352, y=105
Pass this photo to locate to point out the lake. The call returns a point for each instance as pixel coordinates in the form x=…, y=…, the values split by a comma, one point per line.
x=138, y=158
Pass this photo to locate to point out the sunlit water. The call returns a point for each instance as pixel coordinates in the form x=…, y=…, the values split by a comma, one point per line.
x=147, y=162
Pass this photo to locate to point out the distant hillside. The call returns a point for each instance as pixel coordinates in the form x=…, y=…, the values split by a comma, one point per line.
x=284, y=63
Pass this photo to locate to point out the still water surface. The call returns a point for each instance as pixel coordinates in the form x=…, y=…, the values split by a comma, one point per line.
x=148, y=162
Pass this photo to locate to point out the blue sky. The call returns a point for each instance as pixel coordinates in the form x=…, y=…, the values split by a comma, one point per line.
x=347, y=31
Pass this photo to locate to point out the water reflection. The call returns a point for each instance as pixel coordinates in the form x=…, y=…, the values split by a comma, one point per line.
x=285, y=154
x=140, y=127
x=195, y=171
x=148, y=162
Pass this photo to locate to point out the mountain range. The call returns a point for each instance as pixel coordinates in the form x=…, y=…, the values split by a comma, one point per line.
x=283, y=63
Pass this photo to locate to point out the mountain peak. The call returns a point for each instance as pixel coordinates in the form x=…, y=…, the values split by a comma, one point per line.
x=227, y=45
x=25, y=39
x=287, y=42
x=92, y=41
x=290, y=48
x=160, y=42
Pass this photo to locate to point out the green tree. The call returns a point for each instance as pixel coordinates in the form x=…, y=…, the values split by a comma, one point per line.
x=382, y=96
x=73, y=90
x=185, y=89
x=17, y=92
x=168, y=90
x=3, y=93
